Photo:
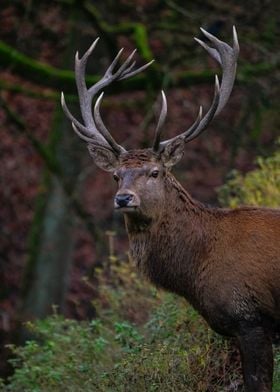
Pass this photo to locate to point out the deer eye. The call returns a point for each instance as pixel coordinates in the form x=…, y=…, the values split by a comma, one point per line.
x=155, y=173
x=116, y=177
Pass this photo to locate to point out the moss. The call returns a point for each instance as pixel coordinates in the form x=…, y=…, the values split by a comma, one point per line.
x=65, y=80
x=141, y=39
x=43, y=73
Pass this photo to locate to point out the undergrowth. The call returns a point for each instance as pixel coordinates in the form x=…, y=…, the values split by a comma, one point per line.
x=143, y=339
x=173, y=351
x=166, y=346
x=260, y=187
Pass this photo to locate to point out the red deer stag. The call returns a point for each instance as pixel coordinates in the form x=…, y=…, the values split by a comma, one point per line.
x=225, y=262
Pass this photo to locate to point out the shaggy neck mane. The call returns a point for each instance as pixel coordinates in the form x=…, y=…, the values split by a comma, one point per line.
x=161, y=249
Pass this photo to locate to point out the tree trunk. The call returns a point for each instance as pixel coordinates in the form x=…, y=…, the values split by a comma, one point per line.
x=51, y=238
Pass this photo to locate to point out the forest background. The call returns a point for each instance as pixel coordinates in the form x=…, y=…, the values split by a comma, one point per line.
x=58, y=228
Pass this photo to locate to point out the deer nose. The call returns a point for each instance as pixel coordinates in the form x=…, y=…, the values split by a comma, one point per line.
x=122, y=200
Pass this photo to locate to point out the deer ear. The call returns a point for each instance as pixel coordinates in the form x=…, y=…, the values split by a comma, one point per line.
x=173, y=152
x=104, y=158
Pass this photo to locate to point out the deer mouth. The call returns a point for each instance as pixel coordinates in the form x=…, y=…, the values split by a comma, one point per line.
x=133, y=208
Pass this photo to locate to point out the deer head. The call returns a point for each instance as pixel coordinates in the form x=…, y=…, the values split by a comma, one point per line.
x=140, y=173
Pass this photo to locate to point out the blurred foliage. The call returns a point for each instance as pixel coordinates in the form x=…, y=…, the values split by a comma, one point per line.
x=259, y=187
x=173, y=350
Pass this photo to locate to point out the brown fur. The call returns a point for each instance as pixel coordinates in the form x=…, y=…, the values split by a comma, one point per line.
x=225, y=262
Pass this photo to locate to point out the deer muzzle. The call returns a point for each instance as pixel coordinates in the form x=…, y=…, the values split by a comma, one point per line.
x=126, y=200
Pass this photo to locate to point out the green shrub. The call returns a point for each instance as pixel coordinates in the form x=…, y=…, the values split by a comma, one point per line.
x=67, y=355
x=260, y=187
x=179, y=353
x=173, y=351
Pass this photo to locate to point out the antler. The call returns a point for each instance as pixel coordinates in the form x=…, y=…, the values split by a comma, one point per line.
x=227, y=58
x=94, y=131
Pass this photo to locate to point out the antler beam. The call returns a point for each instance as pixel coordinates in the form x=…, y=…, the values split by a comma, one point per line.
x=227, y=58
x=94, y=130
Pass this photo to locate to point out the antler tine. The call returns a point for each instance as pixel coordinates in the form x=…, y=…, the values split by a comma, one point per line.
x=77, y=124
x=161, y=121
x=113, y=63
x=200, y=123
x=235, y=41
x=188, y=133
x=88, y=139
x=126, y=74
x=128, y=69
x=94, y=128
x=105, y=133
x=126, y=64
x=213, y=52
x=193, y=132
x=227, y=57
x=84, y=96
x=194, y=126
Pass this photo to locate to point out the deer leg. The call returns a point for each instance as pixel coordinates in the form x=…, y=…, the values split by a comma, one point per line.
x=257, y=360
